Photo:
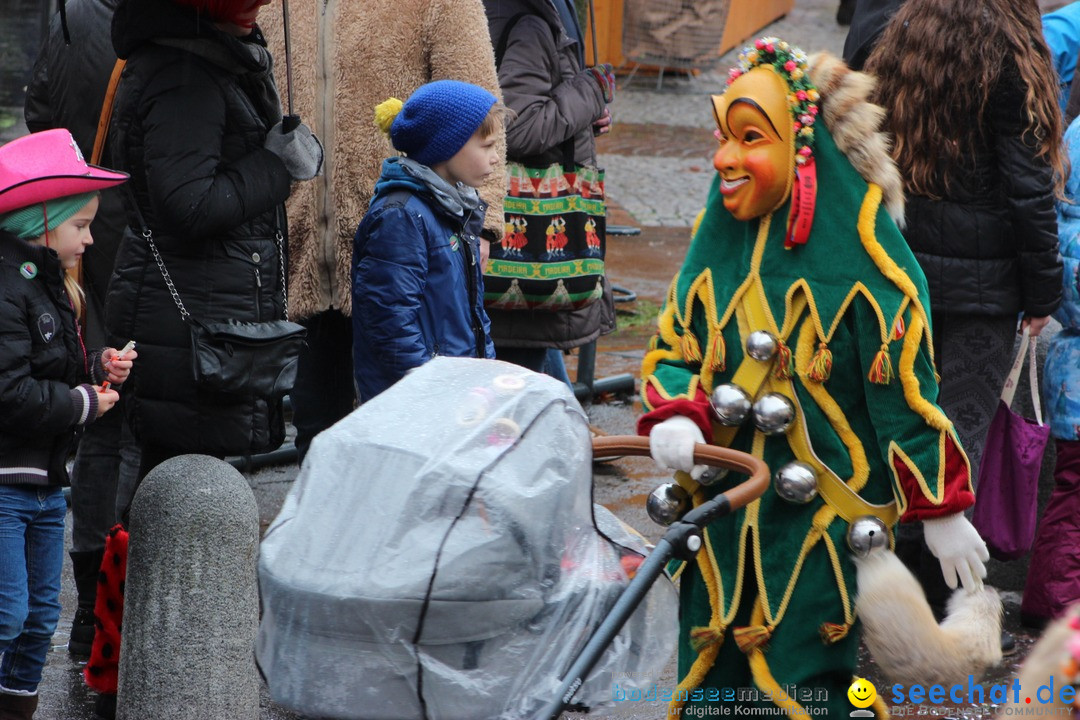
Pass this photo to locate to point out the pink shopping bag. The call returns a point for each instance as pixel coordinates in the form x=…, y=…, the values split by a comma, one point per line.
x=1005, y=498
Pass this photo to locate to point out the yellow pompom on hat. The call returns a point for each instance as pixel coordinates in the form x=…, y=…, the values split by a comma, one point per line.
x=385, y=112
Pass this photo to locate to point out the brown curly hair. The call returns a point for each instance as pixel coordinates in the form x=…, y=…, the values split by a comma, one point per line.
x=937, y=64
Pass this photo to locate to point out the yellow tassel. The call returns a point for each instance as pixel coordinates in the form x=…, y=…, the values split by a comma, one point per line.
x=898, y=328
x=653, y=342
x=717, y=351
x=691, y=350
x=881, y=372
x=820, y=367
x=705, y=637
x=785, y=361
x=833, y=633
x=752, y=637
x=385, y=112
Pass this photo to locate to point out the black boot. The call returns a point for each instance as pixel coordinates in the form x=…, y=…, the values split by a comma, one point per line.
x=17, y=707
x=104, y=707
x=86, y=566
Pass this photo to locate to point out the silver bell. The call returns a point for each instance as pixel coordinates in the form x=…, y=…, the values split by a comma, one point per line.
x=796, y=482
x=773, y=413
x=667, y=503
x=761, y=345
x=867, y=534
x=730, y=403
x=712, y=475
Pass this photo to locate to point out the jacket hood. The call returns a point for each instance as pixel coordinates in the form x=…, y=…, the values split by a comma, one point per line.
x=461, y=207
x=499, y=13
x=137, y=22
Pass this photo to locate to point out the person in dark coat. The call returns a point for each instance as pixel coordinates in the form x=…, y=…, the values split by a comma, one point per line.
x=197, y=123
x=554, y=98
x=50, y=389
x=418, y=286
x=67, y=90
x=868, y=20
x=971, y=99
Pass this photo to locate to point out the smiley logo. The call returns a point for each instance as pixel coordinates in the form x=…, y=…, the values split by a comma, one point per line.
x=862, y=693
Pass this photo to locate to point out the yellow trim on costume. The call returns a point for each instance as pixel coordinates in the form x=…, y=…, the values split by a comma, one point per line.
x=652, y=380
x=866, y=226
x=719, y=618
x=860, y=466
x=697, y=223
x=935, y=497
x=912, y=392
x=834, y=559
x=649, y=363
x=759, y=670
x=822, y=519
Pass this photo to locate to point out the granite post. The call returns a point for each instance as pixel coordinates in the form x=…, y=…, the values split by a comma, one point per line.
x=191, y=608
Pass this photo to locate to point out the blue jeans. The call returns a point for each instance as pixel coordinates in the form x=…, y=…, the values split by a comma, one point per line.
x=31, y=560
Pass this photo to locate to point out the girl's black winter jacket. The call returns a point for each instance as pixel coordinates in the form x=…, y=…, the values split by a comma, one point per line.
x=191, y=116
x=989, y=246
x=41, y=362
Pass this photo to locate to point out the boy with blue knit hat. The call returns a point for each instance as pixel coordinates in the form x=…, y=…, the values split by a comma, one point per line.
x=417, y=282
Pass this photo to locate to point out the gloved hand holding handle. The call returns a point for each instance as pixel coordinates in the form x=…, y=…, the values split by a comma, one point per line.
x=671, y=444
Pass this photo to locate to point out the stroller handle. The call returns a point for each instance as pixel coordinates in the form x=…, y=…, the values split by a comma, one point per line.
x=738, y=496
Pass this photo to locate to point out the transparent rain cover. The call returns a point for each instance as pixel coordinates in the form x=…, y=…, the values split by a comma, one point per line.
x=438, y=557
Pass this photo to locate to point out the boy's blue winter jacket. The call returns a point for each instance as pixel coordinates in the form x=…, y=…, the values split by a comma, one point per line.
x=1061, y=380
x=417, y=285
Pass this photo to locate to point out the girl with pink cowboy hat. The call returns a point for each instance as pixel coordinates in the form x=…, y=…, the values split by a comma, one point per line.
x=50, y=387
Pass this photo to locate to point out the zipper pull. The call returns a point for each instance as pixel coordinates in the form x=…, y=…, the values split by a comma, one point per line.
x=258, y=279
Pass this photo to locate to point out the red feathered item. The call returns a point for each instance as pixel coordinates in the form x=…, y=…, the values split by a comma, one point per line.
x=103, y=670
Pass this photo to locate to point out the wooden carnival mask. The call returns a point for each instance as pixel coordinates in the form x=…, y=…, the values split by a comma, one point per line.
x=756, y=158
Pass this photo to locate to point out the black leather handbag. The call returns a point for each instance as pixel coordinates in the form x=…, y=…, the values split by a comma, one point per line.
x=255, y=359
x=246, y=358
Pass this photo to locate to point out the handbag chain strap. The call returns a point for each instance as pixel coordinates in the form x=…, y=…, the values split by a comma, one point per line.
x=184, y=314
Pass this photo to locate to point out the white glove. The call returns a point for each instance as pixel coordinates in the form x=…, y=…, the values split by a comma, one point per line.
x=671, y=444
x=956, y=544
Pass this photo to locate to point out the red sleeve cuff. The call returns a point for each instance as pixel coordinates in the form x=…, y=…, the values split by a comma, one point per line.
x=958, y=495
x=696, y=409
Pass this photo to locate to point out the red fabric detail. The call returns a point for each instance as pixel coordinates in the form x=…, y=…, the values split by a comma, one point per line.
x=803, y=202
x=102, y=671
x=957, y=497
x=697, y=410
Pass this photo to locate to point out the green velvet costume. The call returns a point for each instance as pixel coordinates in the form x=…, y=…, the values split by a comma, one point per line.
x=769, y=601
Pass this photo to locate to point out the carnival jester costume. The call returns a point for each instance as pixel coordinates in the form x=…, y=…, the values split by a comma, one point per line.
x=798, y=330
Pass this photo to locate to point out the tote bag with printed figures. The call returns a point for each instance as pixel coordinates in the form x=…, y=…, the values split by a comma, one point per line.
x=551, y=256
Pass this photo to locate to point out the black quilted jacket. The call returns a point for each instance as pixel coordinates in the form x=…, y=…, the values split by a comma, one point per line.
x=189, y=127
x=989, y=246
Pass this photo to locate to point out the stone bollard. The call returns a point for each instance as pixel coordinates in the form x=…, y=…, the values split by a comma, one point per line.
x=191, y=608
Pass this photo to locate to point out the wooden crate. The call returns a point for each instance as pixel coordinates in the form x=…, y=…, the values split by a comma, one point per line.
x=746, y=18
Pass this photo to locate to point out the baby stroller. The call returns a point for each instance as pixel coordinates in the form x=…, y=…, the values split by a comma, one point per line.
x=440, y=557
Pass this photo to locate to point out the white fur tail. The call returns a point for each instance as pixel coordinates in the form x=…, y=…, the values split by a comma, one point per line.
x=905, y=639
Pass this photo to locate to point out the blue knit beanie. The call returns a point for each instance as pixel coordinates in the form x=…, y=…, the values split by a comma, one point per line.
x=438, y=119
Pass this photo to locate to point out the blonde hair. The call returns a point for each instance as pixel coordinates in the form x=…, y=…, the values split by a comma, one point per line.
x=493, y=121
x=75, y=294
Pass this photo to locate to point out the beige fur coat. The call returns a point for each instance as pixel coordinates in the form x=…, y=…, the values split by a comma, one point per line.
x=348, y=56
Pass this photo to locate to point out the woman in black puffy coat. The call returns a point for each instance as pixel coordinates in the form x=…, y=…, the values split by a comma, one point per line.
x=196, y=123
x=971, y=98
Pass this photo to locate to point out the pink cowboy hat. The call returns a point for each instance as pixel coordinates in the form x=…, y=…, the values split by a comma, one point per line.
x=45, y=166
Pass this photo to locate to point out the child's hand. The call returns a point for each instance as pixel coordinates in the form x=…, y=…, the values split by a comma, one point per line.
x=106, y=399
x=117, y=365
